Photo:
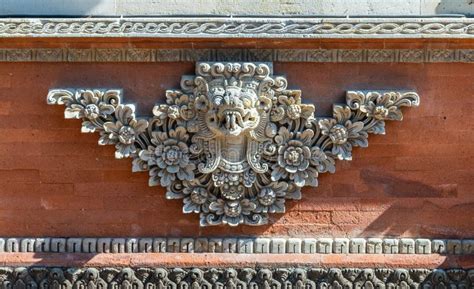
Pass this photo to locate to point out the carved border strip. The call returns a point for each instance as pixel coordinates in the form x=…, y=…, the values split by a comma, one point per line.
x=128, y=278
x=261, y=55
x=243, y=245
x=240, y=27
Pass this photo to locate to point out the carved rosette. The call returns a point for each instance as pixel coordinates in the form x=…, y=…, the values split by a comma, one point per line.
x=233, y=143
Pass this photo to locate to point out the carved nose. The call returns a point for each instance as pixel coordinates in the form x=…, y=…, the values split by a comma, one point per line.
x=229, y=99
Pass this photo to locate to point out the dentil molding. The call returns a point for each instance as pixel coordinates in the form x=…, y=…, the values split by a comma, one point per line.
x=239, y=245
x=233, y=143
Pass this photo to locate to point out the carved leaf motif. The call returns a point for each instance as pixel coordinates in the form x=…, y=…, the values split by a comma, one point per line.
x=234, y=143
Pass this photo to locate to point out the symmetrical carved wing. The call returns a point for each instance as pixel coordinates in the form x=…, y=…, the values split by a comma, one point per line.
x=234, y=143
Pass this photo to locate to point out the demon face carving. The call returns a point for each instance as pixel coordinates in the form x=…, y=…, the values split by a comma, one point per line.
x=233, y=143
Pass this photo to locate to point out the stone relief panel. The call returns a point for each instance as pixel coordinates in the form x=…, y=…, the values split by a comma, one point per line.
x=233, y=143
x=247, y=277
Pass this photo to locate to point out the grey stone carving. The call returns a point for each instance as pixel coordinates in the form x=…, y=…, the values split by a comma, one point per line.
x=253, y=55
x=128, y=278
x=241, y=27
x=233, y=143
x=242, y=245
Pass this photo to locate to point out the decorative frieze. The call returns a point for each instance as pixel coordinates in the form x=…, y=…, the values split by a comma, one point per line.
x=240, y=245
x=254, y=55
x=150, y=277
x=234, y=143
x=239, y=27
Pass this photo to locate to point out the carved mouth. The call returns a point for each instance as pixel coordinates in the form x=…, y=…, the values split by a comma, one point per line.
x=232, y=121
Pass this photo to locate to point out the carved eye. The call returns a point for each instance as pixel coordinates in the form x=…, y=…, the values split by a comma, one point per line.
x=218, y=100
x=264, y=103
x=247, y=102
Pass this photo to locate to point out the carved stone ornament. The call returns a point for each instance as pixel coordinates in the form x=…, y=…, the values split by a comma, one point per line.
x=248, y=277
x=233, y=143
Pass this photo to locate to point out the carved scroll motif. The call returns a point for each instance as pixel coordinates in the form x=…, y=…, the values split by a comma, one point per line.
x=225, y=277
x=233, y=143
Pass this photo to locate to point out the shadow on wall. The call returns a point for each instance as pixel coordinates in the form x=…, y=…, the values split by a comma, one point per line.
x=55, y=7
x=455, y=7
x=416, y=217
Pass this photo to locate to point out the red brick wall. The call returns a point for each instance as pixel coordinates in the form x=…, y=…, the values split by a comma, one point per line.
x=415, y=181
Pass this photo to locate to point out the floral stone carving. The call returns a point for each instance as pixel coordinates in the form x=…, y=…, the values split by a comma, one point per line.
x=233, y=143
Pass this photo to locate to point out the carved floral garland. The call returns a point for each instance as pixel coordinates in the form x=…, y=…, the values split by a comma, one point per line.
x=234, y=143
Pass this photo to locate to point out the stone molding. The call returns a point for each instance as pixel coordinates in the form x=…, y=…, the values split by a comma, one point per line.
x=250, y=277
x=239, y=27
x=233, y=143
x=259, y=55
x=240, y=245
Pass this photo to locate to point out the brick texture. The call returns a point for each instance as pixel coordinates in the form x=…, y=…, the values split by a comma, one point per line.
x=415, y=181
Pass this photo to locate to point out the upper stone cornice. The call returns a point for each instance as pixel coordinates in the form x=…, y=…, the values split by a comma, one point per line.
x=240, y=27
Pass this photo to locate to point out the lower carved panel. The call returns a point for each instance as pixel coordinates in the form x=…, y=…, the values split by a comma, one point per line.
x=137, y=278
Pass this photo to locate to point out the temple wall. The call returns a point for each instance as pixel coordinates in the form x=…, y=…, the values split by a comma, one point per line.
x=399, y=214
x=414, y=181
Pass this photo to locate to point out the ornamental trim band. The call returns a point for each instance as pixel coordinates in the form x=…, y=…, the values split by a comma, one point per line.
x=233, y=143
x=247, y=277
x=240, y=27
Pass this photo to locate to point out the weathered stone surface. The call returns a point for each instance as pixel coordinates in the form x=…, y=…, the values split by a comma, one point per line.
x=454, y=246
x=215, y=245
x=340, y=246
x=89, y=245
x=407, y=246
x=42, y=244
x=73, y=245
x=438, y=246
x=201, y=245
x=325, y=246
x=27, y=245
x=293, y=245
x=277, y=245
x=117, y=245
x=390, y=246
x=374, y=246
x=229, y=245
x=422, y=246
x=262, y=245
x=357, y=246
x=145, y=245
x=57, y=245
x=309, y=245
x=246, y=246
x=103, y=245
x=159, y=245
